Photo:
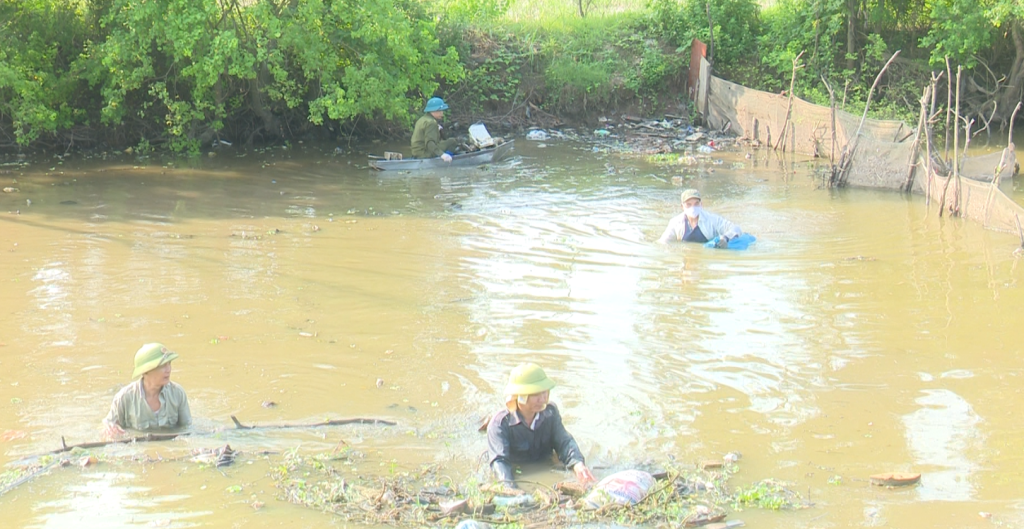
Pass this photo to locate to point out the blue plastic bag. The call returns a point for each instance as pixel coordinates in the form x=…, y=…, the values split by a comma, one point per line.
x=739, y=243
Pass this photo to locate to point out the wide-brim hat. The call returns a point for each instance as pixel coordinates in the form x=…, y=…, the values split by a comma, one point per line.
x=150, y=357
x=528, y=379
x=434, y=104
x=688, y=194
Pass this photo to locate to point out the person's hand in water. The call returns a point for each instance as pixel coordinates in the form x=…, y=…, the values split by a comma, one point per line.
x=723, y=242
x=583, y=474
x=113, y=431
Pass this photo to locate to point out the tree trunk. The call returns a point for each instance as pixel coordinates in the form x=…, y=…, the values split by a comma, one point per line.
x=851, y=35
x=1011, y=93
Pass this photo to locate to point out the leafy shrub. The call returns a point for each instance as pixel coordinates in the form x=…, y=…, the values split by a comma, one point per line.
x=737, y=26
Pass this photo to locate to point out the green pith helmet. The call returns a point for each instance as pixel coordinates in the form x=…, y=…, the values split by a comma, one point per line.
x=528, y=379
x=434, y=104
x=150, y=357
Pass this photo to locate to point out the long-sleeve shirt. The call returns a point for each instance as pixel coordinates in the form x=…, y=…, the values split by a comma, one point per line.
x=510, y=440
x=710, y=225
x=426, y=138
x=130, y=409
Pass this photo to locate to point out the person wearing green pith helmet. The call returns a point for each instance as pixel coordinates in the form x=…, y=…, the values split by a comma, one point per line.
x=151, y=401
x=426, y=136
x=530, y=428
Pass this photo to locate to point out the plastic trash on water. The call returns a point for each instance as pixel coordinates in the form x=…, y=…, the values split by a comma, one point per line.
x=704, y=149
x=479, y=135
x=600, y=133
x=472, y=524
x=513, y=501
x=537, y=135
x=623, y=488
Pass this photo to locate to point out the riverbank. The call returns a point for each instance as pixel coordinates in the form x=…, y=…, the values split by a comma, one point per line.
x=73, y=79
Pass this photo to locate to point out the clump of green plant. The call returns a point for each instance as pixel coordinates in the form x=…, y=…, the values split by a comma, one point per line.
x=766, y=494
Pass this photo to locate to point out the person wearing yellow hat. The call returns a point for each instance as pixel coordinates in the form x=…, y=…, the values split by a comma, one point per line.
x=696, y=225
x=530, y=428
x=426, y=135
x=151, y=400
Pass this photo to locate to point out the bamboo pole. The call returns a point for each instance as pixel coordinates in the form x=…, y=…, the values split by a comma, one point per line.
x=949, y=108
x=916, y=148
x=789, y=111
x=832, y=108
x=955, y=174
x=928, y=145
x=1003, y=161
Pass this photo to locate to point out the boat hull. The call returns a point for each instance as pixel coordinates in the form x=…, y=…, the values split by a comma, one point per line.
x=468, y=159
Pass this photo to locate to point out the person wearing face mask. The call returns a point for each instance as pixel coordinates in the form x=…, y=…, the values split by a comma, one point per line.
x=530, y=428
x=696, y=225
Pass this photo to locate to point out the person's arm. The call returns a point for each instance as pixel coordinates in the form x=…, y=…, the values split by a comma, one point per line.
x=184, y=413
x=432, y=141
x=669, y=235
x=723, y=227
x=568, y=451
x=113, y=423
x=498, y=448
x=565, y=445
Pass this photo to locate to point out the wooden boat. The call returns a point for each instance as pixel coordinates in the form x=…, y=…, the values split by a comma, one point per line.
x=469, y=159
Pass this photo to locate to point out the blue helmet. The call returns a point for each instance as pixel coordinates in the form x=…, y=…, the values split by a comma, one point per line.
x=434, y=104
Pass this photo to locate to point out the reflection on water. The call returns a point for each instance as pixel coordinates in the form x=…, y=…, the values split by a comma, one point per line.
x=53, y=318
x=941, y=434
x=108, y=499
x=333, y=291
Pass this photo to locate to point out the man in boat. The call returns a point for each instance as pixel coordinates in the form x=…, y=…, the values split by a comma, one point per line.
x=696, y=225
x=426, y=137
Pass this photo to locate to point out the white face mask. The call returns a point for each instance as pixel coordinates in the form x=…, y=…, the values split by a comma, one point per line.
x=692, y=211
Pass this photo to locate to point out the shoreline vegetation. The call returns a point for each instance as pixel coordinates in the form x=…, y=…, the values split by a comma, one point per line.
x=179, y=75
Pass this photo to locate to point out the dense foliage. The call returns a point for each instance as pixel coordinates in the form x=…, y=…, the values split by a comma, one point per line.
x=180, y=73
x=186, y=71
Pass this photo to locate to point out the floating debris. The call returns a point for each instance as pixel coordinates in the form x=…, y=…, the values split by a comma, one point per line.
x=895, y=479
x=218, y=457
x=225, y=456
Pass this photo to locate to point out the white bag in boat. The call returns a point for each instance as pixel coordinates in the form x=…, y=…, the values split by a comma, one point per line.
x=478, y=133
x=623, y=488
x=472, y=524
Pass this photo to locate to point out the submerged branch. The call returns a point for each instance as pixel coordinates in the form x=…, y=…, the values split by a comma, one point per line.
x=154, y=437
x=330, y=422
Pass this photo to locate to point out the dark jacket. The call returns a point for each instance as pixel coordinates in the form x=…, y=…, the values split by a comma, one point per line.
x=510, y=440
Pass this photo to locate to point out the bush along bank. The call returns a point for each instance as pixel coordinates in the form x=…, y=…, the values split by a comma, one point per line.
x=573, y=74
x=177, y=74
x=180, y=74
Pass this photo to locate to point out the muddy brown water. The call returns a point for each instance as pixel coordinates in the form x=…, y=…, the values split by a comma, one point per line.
x=860, y=334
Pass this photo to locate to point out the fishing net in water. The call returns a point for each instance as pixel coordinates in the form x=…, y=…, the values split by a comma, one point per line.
x=884, y=156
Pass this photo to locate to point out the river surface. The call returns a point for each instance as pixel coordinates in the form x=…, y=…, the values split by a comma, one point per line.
x=860, y=334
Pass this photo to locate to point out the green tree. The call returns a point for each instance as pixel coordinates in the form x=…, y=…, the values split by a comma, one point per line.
x=987, y=38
